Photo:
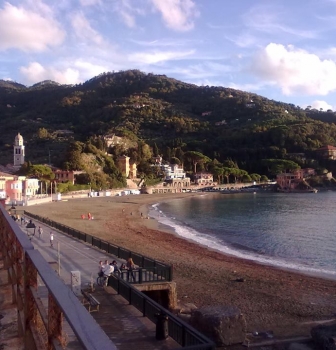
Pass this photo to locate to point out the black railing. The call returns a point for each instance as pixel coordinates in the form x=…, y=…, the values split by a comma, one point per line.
x=149, y=270
x=180, y=331
x=37, y=327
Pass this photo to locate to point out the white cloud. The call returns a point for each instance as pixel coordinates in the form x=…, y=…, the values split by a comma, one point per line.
x=296, y=71
x=27, y=30
x=246, y=87
x=244, y=40
x=158, y=56
x=177, y=14
x=267, y=19
x=88, y=69
x=35, y=73
x=318, y=104
x=89, y=2
x=128, y=11
x=83, y=29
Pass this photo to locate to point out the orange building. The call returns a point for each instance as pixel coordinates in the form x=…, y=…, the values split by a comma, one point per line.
x=128, y=169
x=66, y=176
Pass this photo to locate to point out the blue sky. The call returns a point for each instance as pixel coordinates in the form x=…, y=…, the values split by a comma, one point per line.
x=281, y=49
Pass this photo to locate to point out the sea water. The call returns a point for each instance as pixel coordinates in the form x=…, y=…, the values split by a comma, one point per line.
x=292, y=231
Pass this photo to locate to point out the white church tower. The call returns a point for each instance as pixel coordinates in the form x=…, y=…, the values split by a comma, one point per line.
x=19, y=151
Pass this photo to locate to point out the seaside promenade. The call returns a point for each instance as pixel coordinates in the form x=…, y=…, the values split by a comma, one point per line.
x=123, y=323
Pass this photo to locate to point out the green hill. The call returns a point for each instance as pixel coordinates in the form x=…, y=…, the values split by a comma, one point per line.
x=219, y=122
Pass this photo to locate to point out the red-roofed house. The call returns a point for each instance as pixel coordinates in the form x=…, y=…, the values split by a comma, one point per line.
x=327, y=152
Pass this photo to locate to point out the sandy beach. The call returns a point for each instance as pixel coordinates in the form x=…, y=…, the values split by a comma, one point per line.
x=288, y=303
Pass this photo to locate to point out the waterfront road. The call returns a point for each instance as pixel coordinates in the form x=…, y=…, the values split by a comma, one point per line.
x=123, y=323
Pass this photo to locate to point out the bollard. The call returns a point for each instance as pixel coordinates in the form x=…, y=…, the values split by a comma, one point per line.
x=161, y=326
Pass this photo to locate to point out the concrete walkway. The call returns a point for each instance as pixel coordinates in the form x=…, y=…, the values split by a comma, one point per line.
x=123, y=323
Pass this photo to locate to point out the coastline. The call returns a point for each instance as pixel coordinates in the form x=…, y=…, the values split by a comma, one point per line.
x=269, y=297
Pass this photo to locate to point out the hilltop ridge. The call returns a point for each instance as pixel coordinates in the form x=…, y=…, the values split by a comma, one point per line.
x=216, y=121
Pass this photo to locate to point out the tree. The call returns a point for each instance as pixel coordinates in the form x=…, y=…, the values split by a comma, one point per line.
x=155, y=150
x=255, y=177
x=246, y=178
x=175, y=160
x=218, y=173
x=196, y=158
x=42, y=133
x=264, y=178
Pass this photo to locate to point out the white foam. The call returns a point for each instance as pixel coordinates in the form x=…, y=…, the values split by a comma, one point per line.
x=213, y=243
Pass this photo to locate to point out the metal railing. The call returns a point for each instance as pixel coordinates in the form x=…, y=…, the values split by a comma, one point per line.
x=180, y=331
x=150, y=269
x=40, y=329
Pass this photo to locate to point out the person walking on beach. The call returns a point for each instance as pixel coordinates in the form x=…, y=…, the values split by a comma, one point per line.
x=40, y=231
x=130, y=267
x=51, y=239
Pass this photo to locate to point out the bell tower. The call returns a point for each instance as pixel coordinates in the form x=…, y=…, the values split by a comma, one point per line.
x=19, y=150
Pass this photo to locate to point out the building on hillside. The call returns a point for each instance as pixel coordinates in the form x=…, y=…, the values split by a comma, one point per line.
x=19, y=151
x=173, y=171
x=14, y=190
x=222, y=122
x=30, y=187
x=289, y=181
x=178, y=182
x=175, y=176
x=204, y=179
x=66, y=175
x=326, y=152
x=157, y=160
x=127, y=168
x=4, y=177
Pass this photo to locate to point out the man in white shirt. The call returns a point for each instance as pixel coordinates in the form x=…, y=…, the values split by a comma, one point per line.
x=107, y=271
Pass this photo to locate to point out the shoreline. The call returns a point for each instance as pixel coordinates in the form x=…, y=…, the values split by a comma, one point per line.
x=270, y=298
x=235, y=252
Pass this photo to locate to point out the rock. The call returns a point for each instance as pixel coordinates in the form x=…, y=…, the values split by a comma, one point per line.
x=324, y=337
x=225, y=325
x=240, y=279
x=188, y=308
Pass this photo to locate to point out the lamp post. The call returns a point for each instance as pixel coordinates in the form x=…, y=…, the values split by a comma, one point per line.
x=12, y=209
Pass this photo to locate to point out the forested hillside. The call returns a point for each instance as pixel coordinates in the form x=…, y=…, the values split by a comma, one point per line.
x=171, y=116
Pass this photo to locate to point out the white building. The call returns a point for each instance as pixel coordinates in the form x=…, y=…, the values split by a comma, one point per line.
x=173, y=172
x=19, y=151
x=30, y=187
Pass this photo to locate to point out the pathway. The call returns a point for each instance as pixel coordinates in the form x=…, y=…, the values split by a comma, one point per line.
x=123, y=323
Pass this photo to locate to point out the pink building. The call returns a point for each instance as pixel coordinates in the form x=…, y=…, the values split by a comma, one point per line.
x=14, y=190
x=291, y=180
x=327, y=152
x=203, y=179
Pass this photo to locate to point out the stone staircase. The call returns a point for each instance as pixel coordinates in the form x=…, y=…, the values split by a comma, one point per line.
x=132, y=185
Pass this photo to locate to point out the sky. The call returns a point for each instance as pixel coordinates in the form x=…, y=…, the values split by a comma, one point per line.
x=284, y=50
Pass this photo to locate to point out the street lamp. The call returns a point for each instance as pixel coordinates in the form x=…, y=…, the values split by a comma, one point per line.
x=13, y=209
x=30, y=229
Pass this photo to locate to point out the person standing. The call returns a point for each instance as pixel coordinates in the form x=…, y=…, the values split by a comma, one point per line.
x=130, y=267
x=40, y=231
x=51, y=239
